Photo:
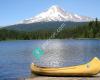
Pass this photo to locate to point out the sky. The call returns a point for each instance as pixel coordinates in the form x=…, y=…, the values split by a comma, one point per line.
x=13, y=11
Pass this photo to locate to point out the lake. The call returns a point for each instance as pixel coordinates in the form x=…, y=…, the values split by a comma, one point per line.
x=16, y=56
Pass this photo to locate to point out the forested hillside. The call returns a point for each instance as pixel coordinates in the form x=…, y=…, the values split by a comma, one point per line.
x=90, y=30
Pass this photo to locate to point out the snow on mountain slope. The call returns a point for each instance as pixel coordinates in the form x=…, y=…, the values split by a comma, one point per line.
x=55, y=13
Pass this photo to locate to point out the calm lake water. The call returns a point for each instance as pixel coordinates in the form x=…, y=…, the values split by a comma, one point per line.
x=16, y=56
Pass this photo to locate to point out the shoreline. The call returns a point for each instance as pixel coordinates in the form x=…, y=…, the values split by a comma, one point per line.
x=56, y=39
x=96, y=77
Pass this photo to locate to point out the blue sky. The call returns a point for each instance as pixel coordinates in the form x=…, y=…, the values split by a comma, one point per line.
x=12, y=11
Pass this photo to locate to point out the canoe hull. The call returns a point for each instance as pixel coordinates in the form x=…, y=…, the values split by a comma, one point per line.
x=89, y=69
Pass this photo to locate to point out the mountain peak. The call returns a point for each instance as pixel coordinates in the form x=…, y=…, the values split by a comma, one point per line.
x=55, y=9
x=55, y=13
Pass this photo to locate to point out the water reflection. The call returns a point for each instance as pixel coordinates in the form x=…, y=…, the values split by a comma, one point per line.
x=60, y=53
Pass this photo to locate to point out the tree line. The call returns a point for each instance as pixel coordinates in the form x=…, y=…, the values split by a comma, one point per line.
x=90, y=30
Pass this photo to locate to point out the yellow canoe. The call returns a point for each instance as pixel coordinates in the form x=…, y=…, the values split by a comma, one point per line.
x=88, y=69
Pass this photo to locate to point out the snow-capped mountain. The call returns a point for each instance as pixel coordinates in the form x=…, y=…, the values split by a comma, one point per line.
x=55, y=13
